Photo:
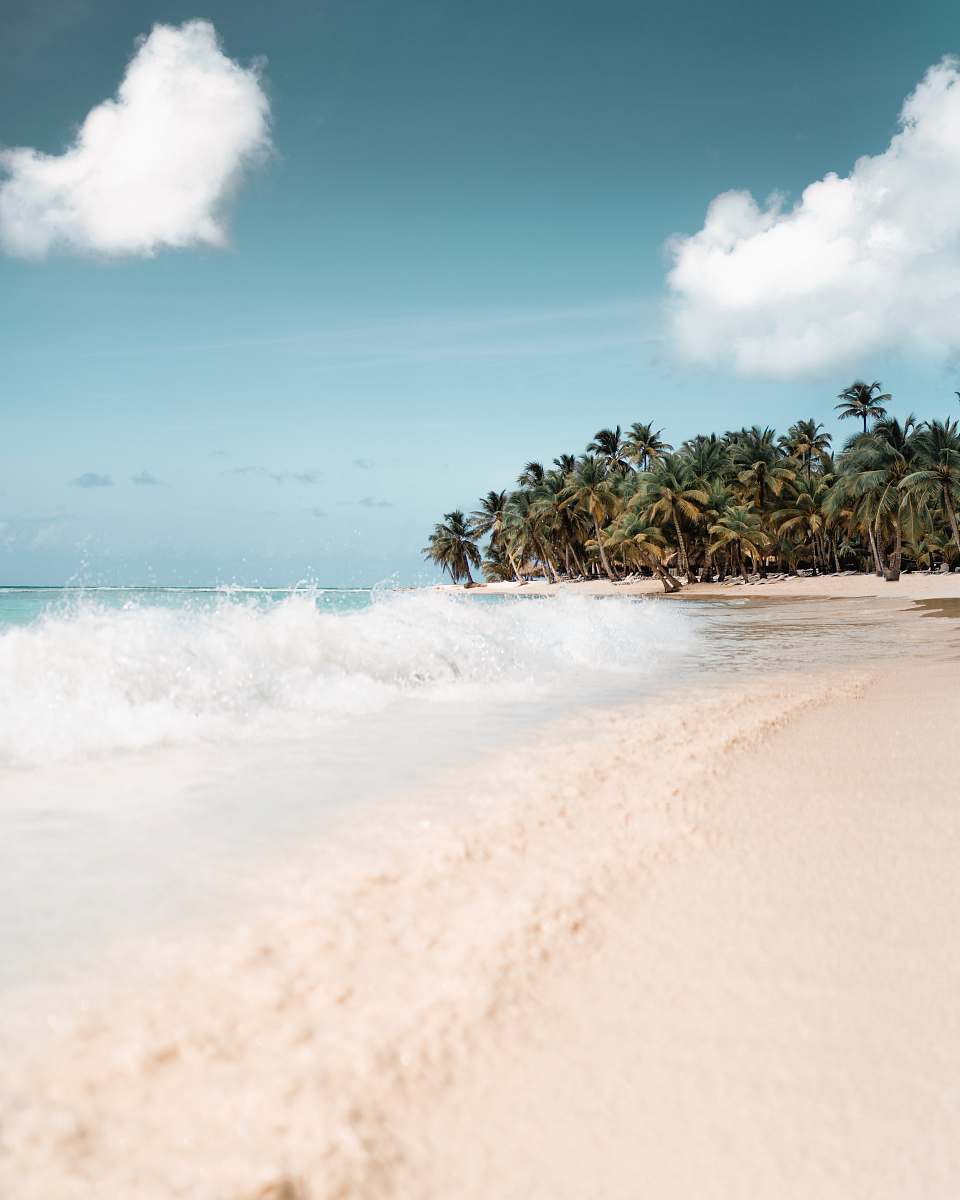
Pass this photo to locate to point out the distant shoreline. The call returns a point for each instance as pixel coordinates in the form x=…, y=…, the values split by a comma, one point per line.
x=914, y=586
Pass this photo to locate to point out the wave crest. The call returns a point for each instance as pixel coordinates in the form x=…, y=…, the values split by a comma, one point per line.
x=99, y=679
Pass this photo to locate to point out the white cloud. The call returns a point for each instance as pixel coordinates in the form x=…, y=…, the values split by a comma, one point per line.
x=865, y=263
x=152, y=167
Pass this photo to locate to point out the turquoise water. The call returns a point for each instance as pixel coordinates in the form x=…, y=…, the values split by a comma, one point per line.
x=23, y=605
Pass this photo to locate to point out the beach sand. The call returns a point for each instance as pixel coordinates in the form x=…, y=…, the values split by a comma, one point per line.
x=915, y=586
x=705, y=949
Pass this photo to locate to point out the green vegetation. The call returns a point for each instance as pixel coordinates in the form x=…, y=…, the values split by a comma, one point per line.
x=723, y=505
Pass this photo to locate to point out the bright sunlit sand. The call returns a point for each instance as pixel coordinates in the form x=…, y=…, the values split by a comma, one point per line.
x=656, y=942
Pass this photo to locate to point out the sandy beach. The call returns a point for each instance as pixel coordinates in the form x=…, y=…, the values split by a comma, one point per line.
x=702, y=949
x=851, y=585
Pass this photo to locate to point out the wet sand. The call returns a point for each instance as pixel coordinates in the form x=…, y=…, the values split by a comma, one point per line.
x=705, y=950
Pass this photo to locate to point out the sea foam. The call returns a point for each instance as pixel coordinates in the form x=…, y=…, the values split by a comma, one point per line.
x=98, y=679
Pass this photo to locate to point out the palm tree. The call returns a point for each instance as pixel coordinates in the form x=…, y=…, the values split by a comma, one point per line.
x=937, y=447
x=739, y=530
x=452, y=547
x=634, y=537
x=862, y=400
x=668, y=495
x=804, y=440
x=893, y=494
x=491, y=518
x=531, y=475
x=706, y=459
x=525, y=532
x=874, y=467
x=762, y=470
x=590, y=488
x=802, y=516
x=609, y=444
x=644, y=444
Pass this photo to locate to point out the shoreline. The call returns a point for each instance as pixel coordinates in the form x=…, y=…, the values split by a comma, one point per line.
x=637, y=956
x=913, y=586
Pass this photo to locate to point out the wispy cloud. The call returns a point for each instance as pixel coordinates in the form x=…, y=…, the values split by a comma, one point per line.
x=369, y=502
x=535, y=334
x=305, y=476
x=363, y=464
x=90, y=479
x=147, y=479
x=150, y=168
x=317, y=512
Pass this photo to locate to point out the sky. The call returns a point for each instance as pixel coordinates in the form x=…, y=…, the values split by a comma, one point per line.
x=280, y=285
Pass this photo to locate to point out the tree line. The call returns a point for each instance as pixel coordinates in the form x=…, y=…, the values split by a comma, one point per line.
x=745, y=501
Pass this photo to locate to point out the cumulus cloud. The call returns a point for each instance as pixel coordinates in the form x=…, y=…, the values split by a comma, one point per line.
x=861, y=263
x=146, y=479
x=90, y=479
x=150, y=168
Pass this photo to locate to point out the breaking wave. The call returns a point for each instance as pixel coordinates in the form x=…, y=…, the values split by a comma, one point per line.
x=98, y=679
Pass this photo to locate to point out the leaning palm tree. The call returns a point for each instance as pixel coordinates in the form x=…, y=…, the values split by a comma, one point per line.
x=740, y=530
x=526, y=533
x=638, y=540
x=937, y=447
x=645, y=445
x=452, y=547
x=863, y=400
x=590, y=487
x=668, y=495
x=491, y=518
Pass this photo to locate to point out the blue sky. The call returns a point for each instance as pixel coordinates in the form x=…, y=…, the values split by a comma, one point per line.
x=451, y=260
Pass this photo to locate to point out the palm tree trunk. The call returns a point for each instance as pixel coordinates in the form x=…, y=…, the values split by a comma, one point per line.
x=740, y=562
x=603, y=553
x=951, y=513
x=892, y=573
x=669, y=583
x=878, y=562
x=684, y=561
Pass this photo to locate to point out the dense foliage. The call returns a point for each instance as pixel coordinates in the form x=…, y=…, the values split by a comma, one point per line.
x=747, y=500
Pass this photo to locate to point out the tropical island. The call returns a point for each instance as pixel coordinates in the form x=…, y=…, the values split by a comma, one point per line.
x=723, y=505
